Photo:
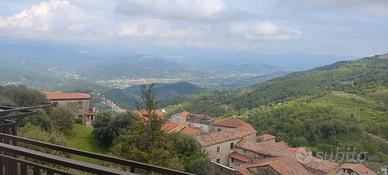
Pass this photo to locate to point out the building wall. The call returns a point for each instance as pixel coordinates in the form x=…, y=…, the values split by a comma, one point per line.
x=177, y=119
x=235, y=163
x=247, y=153
x=77, y=107
x=223, y=154
x=219, y=128
x=202, y=127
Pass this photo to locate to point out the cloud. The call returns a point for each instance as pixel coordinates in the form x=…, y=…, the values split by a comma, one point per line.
x=58, y=17
x=178, y=9
x=152, y=28
x=63, y=20
x=371, y=7
x=263, y=30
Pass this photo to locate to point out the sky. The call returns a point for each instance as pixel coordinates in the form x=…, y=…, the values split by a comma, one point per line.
x=345, y=27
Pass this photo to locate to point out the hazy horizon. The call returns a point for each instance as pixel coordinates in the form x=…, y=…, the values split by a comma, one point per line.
x=185, y=28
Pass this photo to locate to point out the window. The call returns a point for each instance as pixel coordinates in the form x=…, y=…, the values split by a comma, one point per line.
x=219, y=129
x=218, y=160
x=231, y=145
x=218, y=149
x=231, y=160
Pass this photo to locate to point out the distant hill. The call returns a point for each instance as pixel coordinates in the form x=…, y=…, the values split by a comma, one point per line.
x=349, y=76
x=165, y=93
x=141, y=67
x=338, y=105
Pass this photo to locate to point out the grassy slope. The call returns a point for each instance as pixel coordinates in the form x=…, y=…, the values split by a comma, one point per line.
x=81, y=138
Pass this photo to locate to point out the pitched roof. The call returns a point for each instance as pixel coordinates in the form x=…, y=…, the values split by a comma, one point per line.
x=282, y=165
x=184, y=128
x=358, y=168
x=264, y=148
x=190, y=131
x=320, y=166
x=225, y=135
x=66, y=96
x=166, y=127
x=265, y=137
x=184, y=113
x=240, y=157
x=230, y=122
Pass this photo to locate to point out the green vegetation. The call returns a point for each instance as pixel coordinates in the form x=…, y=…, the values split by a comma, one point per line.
x=81, y=138
x=341, y=105
x=139, y=139
x=20, y=96
x=108, y=127
x=164, y=93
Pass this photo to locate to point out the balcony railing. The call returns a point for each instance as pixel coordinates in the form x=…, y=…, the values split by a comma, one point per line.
x=17, y=159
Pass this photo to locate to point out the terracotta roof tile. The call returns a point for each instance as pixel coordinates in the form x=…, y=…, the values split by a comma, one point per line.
x=190, y=131
x=230, y=122
x=225, y=135
x=66, y=96
x=358, y=168
x=184, y=113
x=264, y=148
x=240, y=157
x=168, y=126
x=282, y=165
x=265, y=137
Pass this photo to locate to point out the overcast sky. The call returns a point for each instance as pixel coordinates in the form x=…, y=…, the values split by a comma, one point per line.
x=350, y=27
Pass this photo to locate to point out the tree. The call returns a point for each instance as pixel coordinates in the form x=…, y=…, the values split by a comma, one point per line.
x=201, y=166
x=22, y=96
x=107, y=127
x=41, y=119
x=36, y=133
x=63, y=120
x=146, y=142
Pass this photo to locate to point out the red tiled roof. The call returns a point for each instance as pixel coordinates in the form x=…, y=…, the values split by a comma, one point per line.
x=66, y=96
x=265, y=137
x=239, y=129
x=358, y=168
x=183, y=128
x=240, y=157
x=282, y=165
x=168, y=126
x=264, y=148
x=190, y=131
x=230, y=122
x=184, y=113
x=225, y=135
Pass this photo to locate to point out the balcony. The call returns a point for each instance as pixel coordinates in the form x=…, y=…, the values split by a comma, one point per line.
x=17, y=159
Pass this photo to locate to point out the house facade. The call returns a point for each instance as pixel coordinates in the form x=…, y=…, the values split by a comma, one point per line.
x=77, y=103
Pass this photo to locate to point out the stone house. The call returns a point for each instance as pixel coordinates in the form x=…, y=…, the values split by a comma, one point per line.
x=77, y=103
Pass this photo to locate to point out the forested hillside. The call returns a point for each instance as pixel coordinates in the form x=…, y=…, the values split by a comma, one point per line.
x=340, y=105
x=360, y=77
x=165, y=93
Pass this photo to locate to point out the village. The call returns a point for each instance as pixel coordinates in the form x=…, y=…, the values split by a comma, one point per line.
x=232, y=144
